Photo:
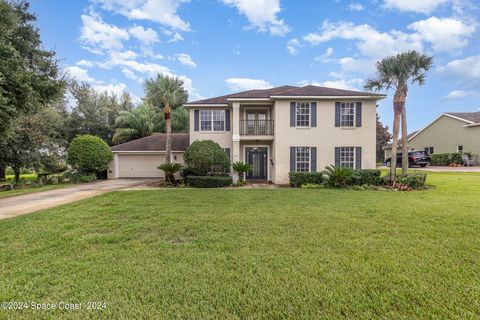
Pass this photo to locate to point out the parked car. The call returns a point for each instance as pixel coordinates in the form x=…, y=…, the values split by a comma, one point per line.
x=415, y=158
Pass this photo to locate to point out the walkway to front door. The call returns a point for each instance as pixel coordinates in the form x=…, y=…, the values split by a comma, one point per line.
x=257, y=158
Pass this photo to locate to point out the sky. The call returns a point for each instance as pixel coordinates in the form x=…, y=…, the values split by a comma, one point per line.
x=222, y=46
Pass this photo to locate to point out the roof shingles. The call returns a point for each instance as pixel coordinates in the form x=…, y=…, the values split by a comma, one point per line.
x=155, y=142
x=469, y=116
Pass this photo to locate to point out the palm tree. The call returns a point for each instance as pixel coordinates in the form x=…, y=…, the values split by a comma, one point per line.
x=396, y=72
x=140, y=122
x=241, y=168
x=144, y=121
x=166, y=93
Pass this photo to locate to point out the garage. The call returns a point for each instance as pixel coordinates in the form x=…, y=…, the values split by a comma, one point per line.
x=140, y=158
x=140, y=165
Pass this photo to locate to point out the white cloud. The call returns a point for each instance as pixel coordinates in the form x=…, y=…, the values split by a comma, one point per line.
x=349, y=64
x=345, y=84
x=370, y=42
x=293, y=45
x=85, y=63
x=326, y=57
x=467, y=69
x=146, y=36
x=455, y=94
x=243, y=84
x=163, y=12
x=262, y=15
x=445, y=34
x=176, y=37
x=99, y=36
x=423, y=6
x=355, y=6
x=78, y=74
x=186, y=60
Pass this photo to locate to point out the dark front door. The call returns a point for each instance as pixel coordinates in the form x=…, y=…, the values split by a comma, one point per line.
x=257, y=158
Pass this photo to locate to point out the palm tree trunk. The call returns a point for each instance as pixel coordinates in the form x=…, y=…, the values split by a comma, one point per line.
x=168, y=143
x=393, y=161
x=404, y=141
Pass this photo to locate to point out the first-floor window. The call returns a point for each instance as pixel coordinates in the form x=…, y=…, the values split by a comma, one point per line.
x=302, y=159
x=347, y=157
x=429, y=150
x=459, y=148
x=212, y=120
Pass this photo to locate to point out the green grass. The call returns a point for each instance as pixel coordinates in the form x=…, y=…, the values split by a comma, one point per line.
x=26, y=177
x=283, y=253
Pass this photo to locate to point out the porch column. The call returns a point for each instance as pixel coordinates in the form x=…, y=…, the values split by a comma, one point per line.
x=235, y=136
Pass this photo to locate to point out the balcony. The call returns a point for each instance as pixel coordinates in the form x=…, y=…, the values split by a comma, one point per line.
x=256, y=127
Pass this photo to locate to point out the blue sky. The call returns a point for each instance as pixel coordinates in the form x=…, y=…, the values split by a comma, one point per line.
x=222, y=46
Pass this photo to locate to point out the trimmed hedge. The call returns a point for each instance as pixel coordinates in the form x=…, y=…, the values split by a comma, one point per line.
x=297, y=179
x=369, y=177
x=206, y=157
x=415, y=180
x=208, y=181
x=89, y=154
x=445, y=159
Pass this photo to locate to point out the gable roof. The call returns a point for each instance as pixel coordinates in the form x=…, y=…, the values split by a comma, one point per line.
x=155, y=142
x=409, y=136
x=473, y=117
x=286, y=91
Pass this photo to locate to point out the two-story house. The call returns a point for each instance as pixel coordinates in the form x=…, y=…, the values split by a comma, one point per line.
x=290, y=128
x=276, y=130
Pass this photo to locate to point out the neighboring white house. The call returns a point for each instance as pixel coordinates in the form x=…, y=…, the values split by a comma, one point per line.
x=450, y=132
x=277, y=131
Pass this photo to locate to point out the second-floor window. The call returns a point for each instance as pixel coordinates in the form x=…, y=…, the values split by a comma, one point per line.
x=303, y=114
x=347, y=114
x=212, y=120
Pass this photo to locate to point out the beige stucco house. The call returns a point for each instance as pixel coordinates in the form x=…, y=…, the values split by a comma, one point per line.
x=448, y=133
x=276, y=130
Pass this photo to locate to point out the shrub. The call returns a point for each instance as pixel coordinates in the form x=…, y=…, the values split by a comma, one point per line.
x=170, y=169
x=84, y=177
x=206, y=157
x=208, y=181
x=298, y=179
x=414, y=180
x=445, y=159
x=241, y=168
x=89, y=154
x=311, y=186
x=339, y=177
x=369, y=177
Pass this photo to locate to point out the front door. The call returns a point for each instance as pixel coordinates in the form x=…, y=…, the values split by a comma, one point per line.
x=257, y=158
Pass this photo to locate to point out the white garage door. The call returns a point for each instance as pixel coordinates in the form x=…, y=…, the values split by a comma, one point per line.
x=140, y=165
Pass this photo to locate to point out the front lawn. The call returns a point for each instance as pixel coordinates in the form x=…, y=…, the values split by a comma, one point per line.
x=251, y=253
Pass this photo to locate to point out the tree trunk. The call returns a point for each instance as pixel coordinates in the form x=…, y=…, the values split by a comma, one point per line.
x=2, y=173
x=404, y=141
x=168, y=142
x=16, y=170
x=393, y=158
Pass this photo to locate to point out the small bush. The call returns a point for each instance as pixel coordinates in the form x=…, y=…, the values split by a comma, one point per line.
x=415, y=180
x=89, y=154
x=206, y=157
x=84, y=177
x=446, y=159
x=339, y=177
x=298, y=179
x=208, y=181
x=311, y=186
x=369, y=177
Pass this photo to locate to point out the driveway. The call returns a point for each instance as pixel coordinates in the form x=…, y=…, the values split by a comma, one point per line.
x=18, y=205
x=442, y=169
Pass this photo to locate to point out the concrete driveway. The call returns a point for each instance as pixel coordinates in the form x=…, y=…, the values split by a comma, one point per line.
x=17, y=205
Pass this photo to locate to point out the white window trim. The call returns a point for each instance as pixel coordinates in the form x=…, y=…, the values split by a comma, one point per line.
x=458, y=151
x=354, y=166
x=309, y=114
x=211, y=131
x=309, y=159
x=354, y=115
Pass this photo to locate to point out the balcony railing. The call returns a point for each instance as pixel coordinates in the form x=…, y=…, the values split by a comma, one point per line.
x=256, y=127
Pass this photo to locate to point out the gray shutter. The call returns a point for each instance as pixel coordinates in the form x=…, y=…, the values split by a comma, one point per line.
x=337, y=114
x=358, y=114
x=337, y=156
x=313, y=114
x=358, y=158
x=227, y=120
x=196, y=120
x=293, y=118
x=292, y=159
x=313, y=159
x=227, y=151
